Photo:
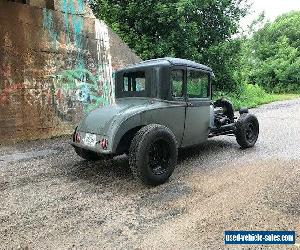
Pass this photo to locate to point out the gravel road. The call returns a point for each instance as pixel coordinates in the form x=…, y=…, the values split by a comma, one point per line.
x=52, y=199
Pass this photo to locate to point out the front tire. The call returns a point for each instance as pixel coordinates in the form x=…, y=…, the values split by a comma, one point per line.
x=153, y=154
x=247, y=130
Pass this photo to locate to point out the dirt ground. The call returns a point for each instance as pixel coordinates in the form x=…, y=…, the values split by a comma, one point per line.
x=52, y=199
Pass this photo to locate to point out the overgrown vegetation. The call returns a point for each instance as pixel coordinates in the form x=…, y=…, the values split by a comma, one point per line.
x=191, y=29
x=249, y=70
x=252, y=96
x=271, y=57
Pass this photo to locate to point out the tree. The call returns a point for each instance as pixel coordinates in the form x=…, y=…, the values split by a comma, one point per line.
x=271, y=58
x=191, y=29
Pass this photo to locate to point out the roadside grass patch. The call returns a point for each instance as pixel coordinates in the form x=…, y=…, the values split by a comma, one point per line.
x=252, y=96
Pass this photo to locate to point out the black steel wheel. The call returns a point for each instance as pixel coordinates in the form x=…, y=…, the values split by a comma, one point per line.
x=153, y=154
x=159, y=156
x=247, y=130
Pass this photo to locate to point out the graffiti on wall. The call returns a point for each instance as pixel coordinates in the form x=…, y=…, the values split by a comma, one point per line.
x=83, y=81
x=75, y=90
x=9, y=89
x=55, y=65
x=8, y=93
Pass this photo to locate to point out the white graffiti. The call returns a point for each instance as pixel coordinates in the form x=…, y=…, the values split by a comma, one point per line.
x=104, y=60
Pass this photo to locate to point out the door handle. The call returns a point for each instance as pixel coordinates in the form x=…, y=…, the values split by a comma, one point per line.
x=190, y=104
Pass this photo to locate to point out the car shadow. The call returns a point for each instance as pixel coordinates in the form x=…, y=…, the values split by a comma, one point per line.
x=117, y=169
x=208, y=148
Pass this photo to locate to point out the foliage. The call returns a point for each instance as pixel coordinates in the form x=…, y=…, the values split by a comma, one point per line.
x=192, y=29
x=224, y=58
x=202, y=30
x=252, y=96
x=271, y=58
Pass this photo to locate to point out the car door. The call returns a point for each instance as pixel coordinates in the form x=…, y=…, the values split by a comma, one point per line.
x=197, y=107
x=173, y=115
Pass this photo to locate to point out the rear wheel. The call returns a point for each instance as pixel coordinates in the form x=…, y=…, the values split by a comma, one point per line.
x=87, y=154
x=247, y=130
x=153, y=154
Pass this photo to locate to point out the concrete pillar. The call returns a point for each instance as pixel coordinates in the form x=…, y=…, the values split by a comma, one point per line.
x=56, y=64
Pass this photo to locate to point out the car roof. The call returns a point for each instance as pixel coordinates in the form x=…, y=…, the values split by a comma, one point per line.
x=169, y=61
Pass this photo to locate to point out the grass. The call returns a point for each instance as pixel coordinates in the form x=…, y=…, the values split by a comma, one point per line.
x=252, y=96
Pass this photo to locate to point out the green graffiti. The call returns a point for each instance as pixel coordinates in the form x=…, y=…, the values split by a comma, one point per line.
x=64, y=9
x=81, y=5
x=80, y=86
x=48, y=25
x=76, y=89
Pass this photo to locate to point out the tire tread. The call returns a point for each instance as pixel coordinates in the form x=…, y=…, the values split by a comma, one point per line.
x=135, y=146
x=240, y=130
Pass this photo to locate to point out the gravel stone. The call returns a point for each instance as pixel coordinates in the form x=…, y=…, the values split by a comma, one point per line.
x=52, y=199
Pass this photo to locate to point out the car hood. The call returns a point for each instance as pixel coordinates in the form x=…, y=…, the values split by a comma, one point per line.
x=99, y=120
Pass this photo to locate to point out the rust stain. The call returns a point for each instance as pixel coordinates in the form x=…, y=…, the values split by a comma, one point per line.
x=6, y=93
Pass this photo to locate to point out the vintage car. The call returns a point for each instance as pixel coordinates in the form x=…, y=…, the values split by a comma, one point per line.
x=161, y=105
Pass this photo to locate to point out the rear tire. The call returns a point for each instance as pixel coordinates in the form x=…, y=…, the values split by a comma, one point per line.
x=87, y=154
x=153, y=154
x=247, y=130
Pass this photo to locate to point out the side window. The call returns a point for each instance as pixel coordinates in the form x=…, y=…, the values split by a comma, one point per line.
x=134, y=81
x=197, y=84
x=177, y=83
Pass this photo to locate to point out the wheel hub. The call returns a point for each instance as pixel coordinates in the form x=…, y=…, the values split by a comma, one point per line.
x=159, y=157
x=251, y=132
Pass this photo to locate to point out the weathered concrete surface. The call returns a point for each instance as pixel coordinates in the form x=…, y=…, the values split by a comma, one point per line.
x=60, y=201
x=120, y=53
x=55, y=65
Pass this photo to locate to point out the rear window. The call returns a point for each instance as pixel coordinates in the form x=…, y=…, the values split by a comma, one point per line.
x=134, y=81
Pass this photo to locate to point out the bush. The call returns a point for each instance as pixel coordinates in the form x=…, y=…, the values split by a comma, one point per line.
x=271, y=57
x=252, y=96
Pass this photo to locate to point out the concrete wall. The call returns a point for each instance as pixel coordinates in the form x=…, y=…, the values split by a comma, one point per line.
x=56, y=64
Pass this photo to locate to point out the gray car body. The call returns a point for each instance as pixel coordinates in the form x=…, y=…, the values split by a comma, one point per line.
x=189, y=120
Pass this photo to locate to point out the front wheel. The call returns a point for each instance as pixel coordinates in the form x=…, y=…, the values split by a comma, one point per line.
x=247, y=130
x=153, y=154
